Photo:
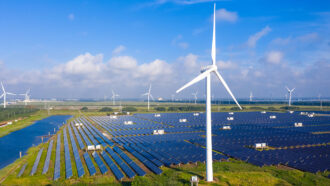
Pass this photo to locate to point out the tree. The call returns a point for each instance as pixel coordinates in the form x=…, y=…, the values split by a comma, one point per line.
x=106, y=109
x=84, y=109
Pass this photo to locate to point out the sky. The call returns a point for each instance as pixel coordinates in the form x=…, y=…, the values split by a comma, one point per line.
x=86, y=49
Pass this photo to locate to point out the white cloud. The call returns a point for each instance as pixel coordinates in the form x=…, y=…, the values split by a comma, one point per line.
x=252, y=41
x=118, y=50
x=189, y=62
x=274, y=57
x=82, y=64
x=71, y=17
x=226, y=64
x=224, y=15
x=123, y=62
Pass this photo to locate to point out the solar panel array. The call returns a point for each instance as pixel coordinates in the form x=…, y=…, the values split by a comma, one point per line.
x=36, y=162
x=79, y=165
x=49, y=153
x=57, y=169
x=68, y=166
x=305, y=148
x=89, y=163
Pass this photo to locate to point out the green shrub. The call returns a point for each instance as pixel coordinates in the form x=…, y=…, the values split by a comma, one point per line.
x=129, y=109
x=84, y=108
x=106, y=109
x=160, y=108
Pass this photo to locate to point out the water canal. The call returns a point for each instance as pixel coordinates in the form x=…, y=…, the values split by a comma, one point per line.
x=22, y=140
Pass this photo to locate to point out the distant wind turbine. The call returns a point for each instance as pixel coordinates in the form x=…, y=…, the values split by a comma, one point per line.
x=251, y=96
x=206, y=73
x=195, y=96
x=290, y=94
x=26, y=96
x=149, y=96
x=114, y=95
x=4, y=95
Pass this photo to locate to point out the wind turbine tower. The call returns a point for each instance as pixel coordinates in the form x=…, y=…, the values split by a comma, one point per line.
x=114, y=95
x=26, y=96
x=206, y=74
x=251, y=96
x=195, y=96
x=290, y=94
x=149, y=96
x=4, y=95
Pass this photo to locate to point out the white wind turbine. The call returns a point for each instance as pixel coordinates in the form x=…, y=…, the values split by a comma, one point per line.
x=206, y=73
x=114, y=95
x=251, y=96
x=26, y=96
x=149, y=96
x=195, y=96
x=290, y=94
x=4, y=95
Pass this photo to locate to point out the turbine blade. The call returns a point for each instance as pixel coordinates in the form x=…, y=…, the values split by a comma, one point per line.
x=227, y=88
x=152, y=97
x=10, y=93
x=293, y=89
x=2, y=96
x=195, y=80
x=213, y=54
x=287, y=89
x=3, y=88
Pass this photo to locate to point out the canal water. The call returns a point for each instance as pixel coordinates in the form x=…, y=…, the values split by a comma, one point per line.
x=23, y=139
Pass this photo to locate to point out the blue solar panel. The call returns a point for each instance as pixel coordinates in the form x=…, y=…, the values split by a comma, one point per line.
x=36, y=162
x=89, y=163
x=80, y=168
x=68, y=166
x=130, y=162
x=146, y=162
x=57, y=168
x=49, y=153
x=128, y=171
x=100, y=163
x=119, y=175
x=22, y=170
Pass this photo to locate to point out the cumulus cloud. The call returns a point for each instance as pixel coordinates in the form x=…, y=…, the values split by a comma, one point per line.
x=253, y=39
x=274, y=57
x=226, y=64
x=225, y=15
x=118, y=50
x=189, y=62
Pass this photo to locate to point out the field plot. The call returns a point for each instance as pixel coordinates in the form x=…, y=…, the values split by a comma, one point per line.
x=128, y=147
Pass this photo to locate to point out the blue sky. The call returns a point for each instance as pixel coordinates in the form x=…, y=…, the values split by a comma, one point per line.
x=84, y=49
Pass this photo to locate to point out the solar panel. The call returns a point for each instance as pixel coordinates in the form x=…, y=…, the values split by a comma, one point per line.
x=36, y=162
x=57, y=168
x=130, y=162
x=118, y=174
x=49, y=153
x=128, y=171
x=100, y=163
x=68, y=166
x=22, y=170
x=89, y=163
x=79, y=166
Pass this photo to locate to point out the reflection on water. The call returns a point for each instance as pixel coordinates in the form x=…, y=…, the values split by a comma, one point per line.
x=22, y=140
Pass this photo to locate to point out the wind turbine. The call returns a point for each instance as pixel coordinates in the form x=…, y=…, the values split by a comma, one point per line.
x=149, y=95
x=290, y=94
x=206, y=73
x=26, y=96
x=4, y=95
x=251, y=96
x=114, y=95
x=195, y=96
